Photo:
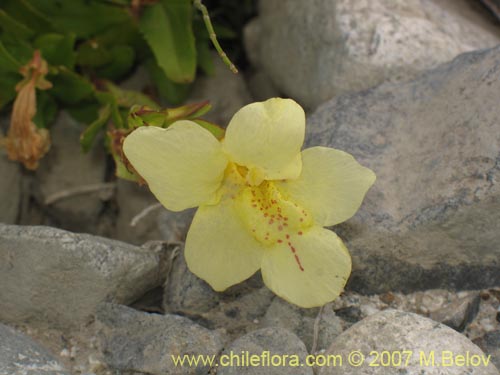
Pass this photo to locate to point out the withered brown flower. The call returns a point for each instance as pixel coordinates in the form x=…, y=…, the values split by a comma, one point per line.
x=25, y=142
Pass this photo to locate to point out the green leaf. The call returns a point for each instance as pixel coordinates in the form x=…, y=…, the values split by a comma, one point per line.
x=10, y=25
x=46, y=109
x=70, y=87
x=84, y=111
x=93, y=54
x=57, y=49
x=25, y=13
x=129, y=98
x=20, y=50
x=88, y=136
x=8, y=82
x=122, y=60
x=167, y=27
x=215, y=129
x=7, y=62
x=82, y=17
x=174, y=93
x=106, y=98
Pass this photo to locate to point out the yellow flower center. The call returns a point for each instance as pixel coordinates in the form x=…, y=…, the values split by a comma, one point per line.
x=270, y=217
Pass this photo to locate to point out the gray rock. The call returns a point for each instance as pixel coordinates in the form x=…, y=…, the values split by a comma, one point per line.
x=50, y=275
x=20, y=355
x=431, y=219
x=10, y=190
x=459, y=313
x=185, y=292
x=235, y=310
x=173, y=226
x=134, y=341
x=132, y=199
x=393, y=331
x=274, y=341
x=226, y=91
x=66, y=167
x=261, y=87
x=301, y=322
x=490, y=343
x=314, y=50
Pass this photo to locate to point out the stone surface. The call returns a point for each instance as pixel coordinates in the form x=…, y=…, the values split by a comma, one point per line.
x=50, y=275
x=276, y=341
x=226, y=91
x=459, y=313
x=301, y=322
x=10, y=190
x=173, y=226
x=20, y=355
x=132, y=199
x=395, y=331
x=490, y=343
x=314, y=50
x=66, y=167
x=431, y=219
x=145, y=343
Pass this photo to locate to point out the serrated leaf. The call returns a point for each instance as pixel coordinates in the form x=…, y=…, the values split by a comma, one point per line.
x=174, y=93
x=167, y=27
x=57, y=49
x=70, y=87
x=10, y=25
x=88, y=136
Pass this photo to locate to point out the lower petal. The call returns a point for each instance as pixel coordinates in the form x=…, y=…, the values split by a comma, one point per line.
x=309, y=269
x=219, y=248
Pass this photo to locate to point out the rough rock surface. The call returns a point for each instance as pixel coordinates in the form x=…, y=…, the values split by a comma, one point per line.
x=490, y=343
x=301, y=322
x=431, y=219
x=395, y=331
x=145, y=343
x=66, y=167
x=19, y=355
x=276, y=341
x=10, y=190
x=132, y=199
x=50, y=275
x=314, y=50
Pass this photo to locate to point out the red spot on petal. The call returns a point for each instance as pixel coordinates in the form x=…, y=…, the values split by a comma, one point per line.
x=280, y=241
x=300, y=233
x=280, y=227
x=287, y=236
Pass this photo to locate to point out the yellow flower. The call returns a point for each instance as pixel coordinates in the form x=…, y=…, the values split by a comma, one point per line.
x=262, y=202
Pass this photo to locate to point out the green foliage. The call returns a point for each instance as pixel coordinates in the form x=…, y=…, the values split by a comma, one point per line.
x=87, y=44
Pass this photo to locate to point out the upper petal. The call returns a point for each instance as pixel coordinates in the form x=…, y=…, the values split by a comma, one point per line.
x=308, y=270
x=219, y=248
x=266, y=137
x=183, y=164
x=332, y=185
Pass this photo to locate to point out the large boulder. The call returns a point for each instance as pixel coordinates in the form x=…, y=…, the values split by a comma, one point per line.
x=395, y=342
x=432, y=218
x=314, y=50
x=53, y=276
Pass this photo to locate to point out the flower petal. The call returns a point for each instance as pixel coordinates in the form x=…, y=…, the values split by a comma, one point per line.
x=267, y=137
x=310, y=270
x=332, y=185
x=219, y=248
x=183, y=164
